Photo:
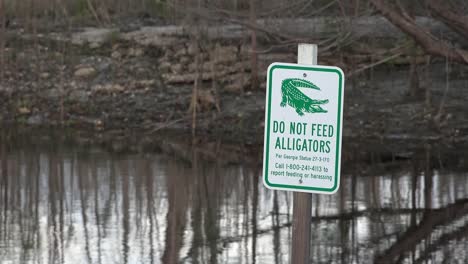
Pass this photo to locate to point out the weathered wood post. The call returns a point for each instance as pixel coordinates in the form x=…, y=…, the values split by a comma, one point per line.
x=302, y=202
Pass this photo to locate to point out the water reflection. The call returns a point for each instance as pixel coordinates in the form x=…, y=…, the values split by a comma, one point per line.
x=67, y=204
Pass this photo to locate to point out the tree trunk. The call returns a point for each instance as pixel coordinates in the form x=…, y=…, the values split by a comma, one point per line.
x=2, y=38
x=253, y=36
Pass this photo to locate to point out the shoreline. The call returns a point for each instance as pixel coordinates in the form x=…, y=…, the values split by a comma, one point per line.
x=122, y=88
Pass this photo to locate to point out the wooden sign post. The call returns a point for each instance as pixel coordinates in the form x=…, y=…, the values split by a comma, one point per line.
x=302, y=202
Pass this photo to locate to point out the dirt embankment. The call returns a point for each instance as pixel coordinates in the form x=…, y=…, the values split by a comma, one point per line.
x=121, y=82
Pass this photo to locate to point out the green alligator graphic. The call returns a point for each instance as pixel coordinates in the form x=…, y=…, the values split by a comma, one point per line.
x=297, y=99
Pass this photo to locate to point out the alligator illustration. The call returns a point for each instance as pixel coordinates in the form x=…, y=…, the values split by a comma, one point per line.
x=292, y=96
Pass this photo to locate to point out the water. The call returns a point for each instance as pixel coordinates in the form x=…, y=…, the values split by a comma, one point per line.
x=65, y=203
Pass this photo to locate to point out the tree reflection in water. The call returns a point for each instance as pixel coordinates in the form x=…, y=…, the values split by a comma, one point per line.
x=67, y=204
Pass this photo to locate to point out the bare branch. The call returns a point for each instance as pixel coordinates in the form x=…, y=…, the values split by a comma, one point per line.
x=429, y=42
x=457, y=22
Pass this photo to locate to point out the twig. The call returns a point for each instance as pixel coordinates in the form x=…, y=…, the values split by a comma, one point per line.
x=93, y=11
x=376, y=63
x=382, y=60
x=168, y=124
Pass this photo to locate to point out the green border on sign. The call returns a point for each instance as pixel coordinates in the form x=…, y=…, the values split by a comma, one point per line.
x=338, y=149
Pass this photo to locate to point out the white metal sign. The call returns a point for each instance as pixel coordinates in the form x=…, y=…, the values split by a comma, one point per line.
x=303, y=126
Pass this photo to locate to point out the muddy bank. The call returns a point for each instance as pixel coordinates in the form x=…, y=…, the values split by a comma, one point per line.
x=122, y=87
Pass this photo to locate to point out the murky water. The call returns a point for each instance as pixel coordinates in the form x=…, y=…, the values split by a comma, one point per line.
x=70, y=204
